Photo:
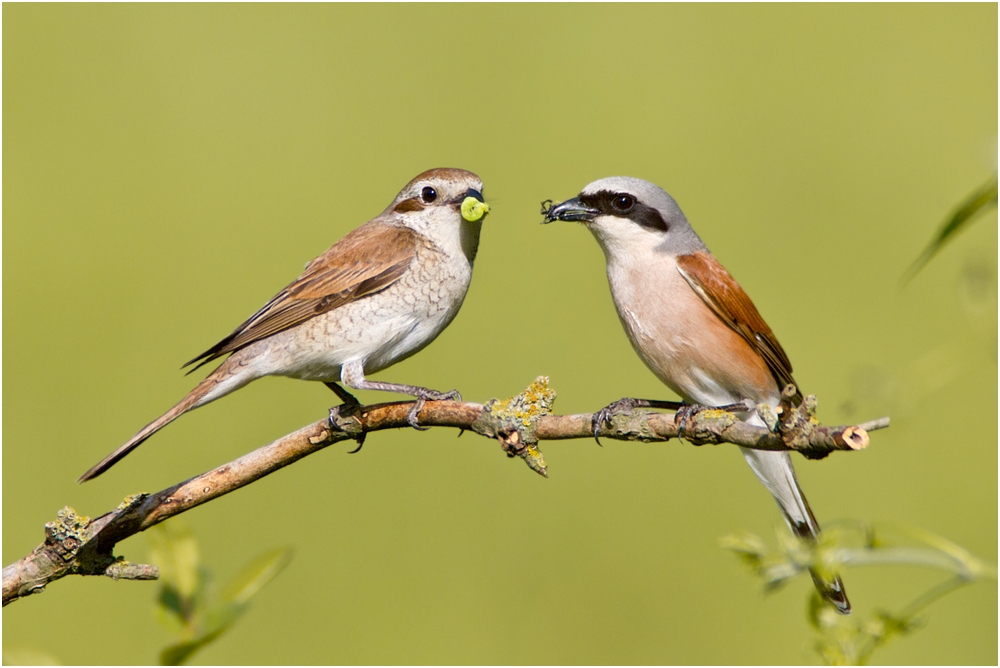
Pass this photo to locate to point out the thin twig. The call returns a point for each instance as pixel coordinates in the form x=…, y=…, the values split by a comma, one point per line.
x=78, y=545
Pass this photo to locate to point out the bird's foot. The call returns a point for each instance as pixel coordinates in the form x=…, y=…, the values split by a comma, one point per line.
x=684, y=414
x=423, y=396
x=340, y=415
x=603, y=416
x=687, y=412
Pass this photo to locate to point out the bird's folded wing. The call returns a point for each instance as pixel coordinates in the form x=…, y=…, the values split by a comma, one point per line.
x=720, y=291
x=366, y=261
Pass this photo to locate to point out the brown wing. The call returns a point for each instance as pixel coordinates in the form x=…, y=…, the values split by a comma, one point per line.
x=726, y=298
x=368, y=260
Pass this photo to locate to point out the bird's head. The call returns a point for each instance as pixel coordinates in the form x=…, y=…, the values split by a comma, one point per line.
x=445, y=205
x=626, y=214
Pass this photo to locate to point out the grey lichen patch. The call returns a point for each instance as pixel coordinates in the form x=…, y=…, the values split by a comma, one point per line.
x=809, y=405
x=766, y=413
x=125, y=570
x=67, y=533
x=57, y=556
x=634, y=425
x=512, y=422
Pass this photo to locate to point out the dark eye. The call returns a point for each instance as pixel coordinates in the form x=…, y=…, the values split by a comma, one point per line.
x=428, y=194
x=622, y=203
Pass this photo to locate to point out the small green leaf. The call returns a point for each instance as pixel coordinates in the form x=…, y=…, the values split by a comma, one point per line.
x=887, y=626
x=215, y=619
x=221, y=616
x=744, y=543
x=256, y=574
x=819, y=612
x=972, y=566
x=774, y=567
x=979, y=201
x=177, y=655
x=169, y=612
x=174, y=549
x=853, y=640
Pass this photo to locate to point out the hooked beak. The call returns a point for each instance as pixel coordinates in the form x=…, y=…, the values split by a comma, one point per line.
x=572, y=210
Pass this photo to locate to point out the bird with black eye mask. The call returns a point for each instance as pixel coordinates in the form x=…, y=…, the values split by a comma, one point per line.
x=693, y=326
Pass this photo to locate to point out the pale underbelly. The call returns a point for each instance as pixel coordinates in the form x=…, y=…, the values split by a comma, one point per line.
x=376, y=332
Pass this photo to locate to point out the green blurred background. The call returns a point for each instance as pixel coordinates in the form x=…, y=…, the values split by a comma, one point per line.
x=168, y=168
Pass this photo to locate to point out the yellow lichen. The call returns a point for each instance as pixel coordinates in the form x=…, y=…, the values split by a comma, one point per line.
x=534, y=402
x=69, y=522
x=512, y=422
x=714, y=414
x=535, y=460
x=128, y=501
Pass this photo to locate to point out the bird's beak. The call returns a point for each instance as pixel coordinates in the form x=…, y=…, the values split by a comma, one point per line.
x=570, y=210
x=473, y=207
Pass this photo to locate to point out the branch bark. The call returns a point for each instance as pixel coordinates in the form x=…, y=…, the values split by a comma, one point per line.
x=78, y=545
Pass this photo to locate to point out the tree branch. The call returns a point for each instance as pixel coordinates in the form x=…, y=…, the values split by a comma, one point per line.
x=77, y=545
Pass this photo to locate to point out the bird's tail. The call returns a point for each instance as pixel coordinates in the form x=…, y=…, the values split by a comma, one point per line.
x=220, y=382
x=775, y=470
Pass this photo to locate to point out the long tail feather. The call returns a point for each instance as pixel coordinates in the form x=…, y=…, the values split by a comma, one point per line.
x=776, y=472
x=225, y=379
x=137, y=440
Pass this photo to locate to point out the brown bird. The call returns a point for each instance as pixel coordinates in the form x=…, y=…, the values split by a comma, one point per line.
x=693, y=326
x=377, y=296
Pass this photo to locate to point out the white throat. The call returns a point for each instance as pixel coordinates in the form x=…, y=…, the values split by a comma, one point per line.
x=446, y=228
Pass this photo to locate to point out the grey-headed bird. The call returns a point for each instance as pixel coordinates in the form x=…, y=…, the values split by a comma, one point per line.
x=377, y=296
x=693, y=326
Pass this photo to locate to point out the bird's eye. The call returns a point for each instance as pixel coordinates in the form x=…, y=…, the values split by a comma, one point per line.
x=428, y=194
x=623, y=203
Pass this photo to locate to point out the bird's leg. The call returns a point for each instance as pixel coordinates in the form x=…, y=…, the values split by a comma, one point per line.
x=353, y=376
x=349, y=407
x=423, y=394
x=603, y=416
x=345, y=396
